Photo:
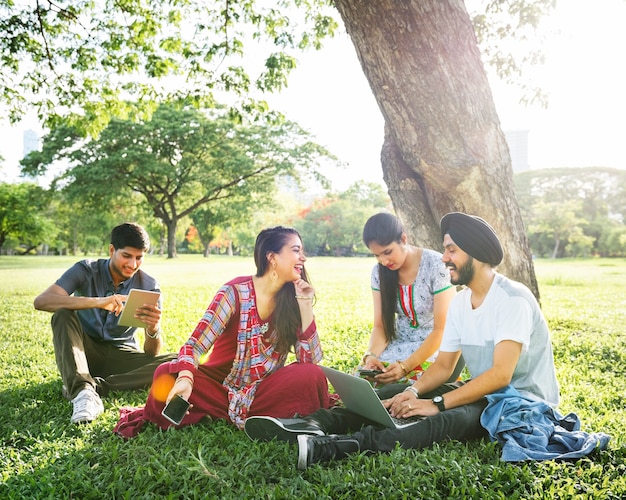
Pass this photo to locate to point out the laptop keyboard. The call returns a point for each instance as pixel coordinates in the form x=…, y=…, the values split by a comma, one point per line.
x=409, y=420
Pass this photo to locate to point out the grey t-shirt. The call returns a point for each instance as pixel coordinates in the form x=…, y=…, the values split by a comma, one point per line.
x=509, y=312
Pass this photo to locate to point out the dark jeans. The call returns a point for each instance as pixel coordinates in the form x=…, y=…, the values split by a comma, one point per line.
x=461, y=424
x=84, y=362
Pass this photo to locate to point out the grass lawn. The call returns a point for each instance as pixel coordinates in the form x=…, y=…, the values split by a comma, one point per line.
x=42, y=455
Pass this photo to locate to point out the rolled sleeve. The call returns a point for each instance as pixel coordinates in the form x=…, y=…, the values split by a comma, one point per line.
x=308, y=345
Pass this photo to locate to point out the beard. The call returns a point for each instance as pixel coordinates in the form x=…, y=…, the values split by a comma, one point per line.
x=120, y=271
x=465, y=272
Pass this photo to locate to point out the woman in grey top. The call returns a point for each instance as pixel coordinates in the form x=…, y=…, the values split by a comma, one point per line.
x=411, y=292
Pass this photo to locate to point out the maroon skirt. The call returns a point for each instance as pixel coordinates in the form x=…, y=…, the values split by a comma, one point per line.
x=295, y=389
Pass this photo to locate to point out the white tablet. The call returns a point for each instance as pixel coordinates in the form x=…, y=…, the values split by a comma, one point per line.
x=137, y=298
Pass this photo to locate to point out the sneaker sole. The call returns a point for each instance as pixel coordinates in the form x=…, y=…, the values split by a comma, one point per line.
x=85, y=420
x=303, y=452
x=268, y=428
x=81, y=422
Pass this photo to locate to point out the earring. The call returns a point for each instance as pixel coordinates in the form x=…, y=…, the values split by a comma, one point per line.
x=273, y=273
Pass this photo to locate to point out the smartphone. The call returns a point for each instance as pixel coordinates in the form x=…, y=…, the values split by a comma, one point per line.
x=369, y=373
x=175, y=410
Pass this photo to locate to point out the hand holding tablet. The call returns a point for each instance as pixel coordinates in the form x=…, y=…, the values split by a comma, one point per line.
x=136, y=299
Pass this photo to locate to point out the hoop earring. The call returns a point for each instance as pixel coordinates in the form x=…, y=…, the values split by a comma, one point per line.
x=273, y=273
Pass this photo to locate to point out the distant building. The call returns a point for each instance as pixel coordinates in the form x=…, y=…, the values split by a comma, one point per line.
x=518, y=148
x=31, y=142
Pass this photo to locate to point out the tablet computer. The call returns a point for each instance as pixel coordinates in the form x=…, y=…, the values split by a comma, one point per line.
x=137, y=298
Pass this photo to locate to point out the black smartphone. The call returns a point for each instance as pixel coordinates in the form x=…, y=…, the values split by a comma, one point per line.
x=175, y=410
x=369, y=373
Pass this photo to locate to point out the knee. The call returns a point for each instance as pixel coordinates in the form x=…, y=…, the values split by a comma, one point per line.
x=312, y=372
x=62, y=317
x=164, y=368
x=307, y=373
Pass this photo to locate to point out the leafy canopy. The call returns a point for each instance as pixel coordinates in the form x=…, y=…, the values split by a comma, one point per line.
x=93, y=59
x=178, y=161
x=86, y=61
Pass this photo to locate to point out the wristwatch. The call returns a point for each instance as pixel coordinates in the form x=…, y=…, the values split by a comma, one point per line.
x=438, y=401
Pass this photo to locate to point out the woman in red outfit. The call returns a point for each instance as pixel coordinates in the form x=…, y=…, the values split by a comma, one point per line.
x=251, y=325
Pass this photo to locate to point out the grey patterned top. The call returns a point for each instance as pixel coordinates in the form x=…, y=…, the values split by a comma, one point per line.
x=414, y=311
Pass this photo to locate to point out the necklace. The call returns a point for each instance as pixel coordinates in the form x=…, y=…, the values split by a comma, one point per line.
x=265, y=327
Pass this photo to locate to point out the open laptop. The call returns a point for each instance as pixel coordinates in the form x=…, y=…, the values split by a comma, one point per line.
x=359, y=396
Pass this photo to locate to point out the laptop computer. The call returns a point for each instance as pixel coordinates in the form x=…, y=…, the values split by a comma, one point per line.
x=359, y=396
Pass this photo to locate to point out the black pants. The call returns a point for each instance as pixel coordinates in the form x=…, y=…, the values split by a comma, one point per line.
x=461, y=424
x=84, y=362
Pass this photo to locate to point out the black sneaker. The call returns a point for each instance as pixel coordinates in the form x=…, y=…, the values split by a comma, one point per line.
x=312, y=449
x=282, y=429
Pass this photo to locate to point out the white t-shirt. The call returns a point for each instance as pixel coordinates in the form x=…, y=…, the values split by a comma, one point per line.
x=509, y=312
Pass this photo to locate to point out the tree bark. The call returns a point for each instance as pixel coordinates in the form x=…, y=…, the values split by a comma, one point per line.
x=171, y=238
x=444, y=149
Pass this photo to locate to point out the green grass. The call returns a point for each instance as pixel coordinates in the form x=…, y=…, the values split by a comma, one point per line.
x=42, y=455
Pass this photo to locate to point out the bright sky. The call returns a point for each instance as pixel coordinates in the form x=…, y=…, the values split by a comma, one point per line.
x=583, y=126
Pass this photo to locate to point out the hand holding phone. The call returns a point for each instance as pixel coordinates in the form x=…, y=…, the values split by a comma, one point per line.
x=176, y=410
x=369, y=373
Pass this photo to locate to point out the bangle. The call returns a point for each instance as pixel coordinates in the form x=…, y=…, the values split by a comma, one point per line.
x=303, y=297
x=367, y=354
x=402, y=366
x=182, y=377
x=413, y=390
x=155, y=335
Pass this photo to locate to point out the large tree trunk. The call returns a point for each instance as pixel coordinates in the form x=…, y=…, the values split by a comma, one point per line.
x=444, y=149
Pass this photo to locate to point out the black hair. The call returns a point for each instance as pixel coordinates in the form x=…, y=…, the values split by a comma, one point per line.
x=287, y=318
x=385, y=228
x=129, y=234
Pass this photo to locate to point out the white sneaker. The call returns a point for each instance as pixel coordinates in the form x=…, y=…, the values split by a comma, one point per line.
x=87, y=406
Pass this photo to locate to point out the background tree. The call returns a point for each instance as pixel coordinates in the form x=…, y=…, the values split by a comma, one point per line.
x=444, y=149
x=208, y=221
x=557, y=223
x=613, y=241
x=281, y=207
x=109, y=58
x=178, y=161
x=21, y=217
x=85, y=228
x=583, y=205
x=334, y=225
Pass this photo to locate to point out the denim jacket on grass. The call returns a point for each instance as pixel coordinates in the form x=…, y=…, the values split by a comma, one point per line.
x=529, y=429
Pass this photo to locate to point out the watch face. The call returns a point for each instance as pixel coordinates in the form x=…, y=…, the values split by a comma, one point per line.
x=438, y=400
